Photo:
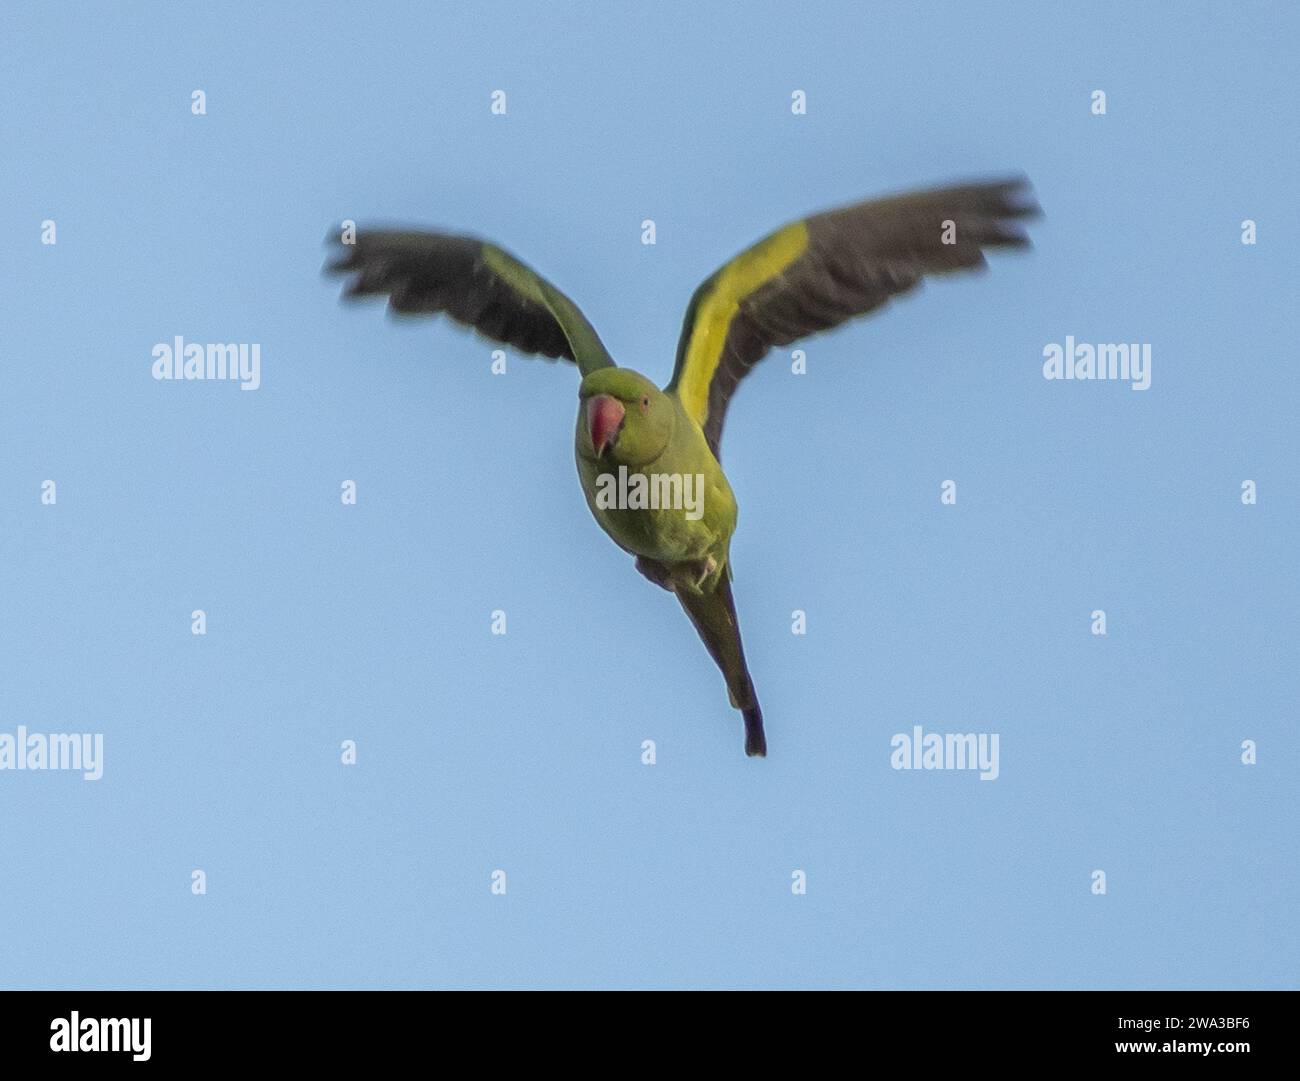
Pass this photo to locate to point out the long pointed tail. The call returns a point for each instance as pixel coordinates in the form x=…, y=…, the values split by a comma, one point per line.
x=755, y=739
x=714, y=617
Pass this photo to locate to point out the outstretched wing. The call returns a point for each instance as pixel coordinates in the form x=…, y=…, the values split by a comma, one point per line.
x=818, y=272
x=474, y=282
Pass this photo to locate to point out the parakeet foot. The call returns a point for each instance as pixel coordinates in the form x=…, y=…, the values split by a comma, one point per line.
x=710, y=567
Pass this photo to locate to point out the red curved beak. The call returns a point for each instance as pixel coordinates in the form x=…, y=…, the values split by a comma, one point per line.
x=604, y=415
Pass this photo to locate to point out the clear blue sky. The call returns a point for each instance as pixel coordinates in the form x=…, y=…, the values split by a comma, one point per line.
x=1118, y=753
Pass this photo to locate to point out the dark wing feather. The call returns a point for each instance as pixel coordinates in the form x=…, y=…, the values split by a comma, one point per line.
x=476, y=283
x=819, y=272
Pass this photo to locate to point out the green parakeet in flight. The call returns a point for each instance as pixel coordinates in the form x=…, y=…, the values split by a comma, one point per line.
x=648, y=459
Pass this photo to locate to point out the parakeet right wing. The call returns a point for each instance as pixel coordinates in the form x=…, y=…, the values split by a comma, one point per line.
x=476, y=283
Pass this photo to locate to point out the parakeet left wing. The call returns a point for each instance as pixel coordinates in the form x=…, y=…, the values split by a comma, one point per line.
x=476, y=283
x=817, y=273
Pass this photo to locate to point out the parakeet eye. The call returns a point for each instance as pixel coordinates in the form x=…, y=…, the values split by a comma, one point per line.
x=645, y=403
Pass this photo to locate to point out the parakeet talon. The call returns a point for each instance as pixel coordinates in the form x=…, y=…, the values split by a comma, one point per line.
x=707, y=571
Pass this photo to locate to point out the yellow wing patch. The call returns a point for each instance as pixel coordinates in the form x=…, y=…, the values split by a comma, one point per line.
x=516, y=275
x=755, y=267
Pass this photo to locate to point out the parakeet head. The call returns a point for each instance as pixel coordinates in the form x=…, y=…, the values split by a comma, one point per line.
x=623, y=418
